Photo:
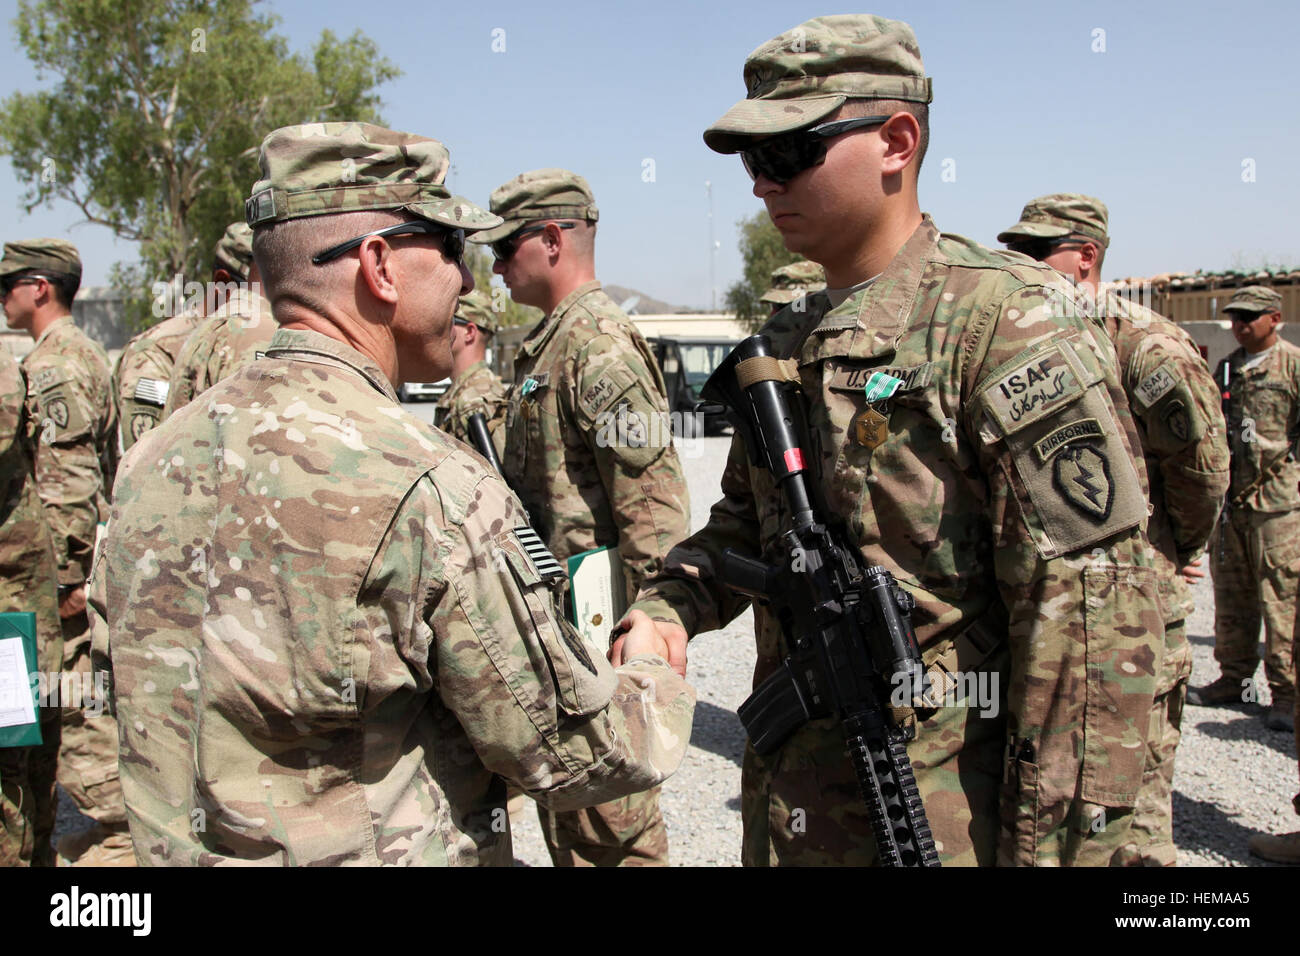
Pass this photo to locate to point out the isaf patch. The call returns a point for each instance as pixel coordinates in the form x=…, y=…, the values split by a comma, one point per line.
x=47, y=378
x=597, y=396
x=1034, y=390
x=1081, y=474
x=1155, y=387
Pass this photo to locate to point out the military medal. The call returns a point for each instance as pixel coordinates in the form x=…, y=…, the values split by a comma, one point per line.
x=871, y=426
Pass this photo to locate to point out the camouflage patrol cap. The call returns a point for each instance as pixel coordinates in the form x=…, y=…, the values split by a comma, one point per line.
x=320, y=169
x=1255, y=298
x=49, y=255
x=477, y=308
x=793, y=280
x=808, y=72
x=1060, y=215
x=537, y=195
x=234, y=251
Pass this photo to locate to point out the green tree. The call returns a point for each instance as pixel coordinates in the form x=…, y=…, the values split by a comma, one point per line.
x=153, y=126
x=762, y=250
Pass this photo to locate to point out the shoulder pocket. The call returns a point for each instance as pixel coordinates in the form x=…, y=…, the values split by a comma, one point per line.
x=584, y=679
x=1049, y=406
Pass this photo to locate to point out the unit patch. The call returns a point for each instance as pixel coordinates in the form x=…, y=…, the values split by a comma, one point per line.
x=1178, y=422
x=1155, y=387
x=1061, y=437
x=141, y=424
x=58, y=410
x=1082, y=476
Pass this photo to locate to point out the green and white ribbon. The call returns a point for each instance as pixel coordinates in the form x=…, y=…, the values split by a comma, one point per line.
x=881, y=386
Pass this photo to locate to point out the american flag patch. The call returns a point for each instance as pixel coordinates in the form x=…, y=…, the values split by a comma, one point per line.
x=152, y=391
x=540, y=555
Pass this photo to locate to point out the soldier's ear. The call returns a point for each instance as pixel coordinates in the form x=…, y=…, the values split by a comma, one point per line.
x=1089, y=255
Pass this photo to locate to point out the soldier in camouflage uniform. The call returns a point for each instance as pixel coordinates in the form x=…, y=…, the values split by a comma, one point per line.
x=1256, y=558
x=329, y=628
x=233, y=335
x=142, y=378
x=588, y=478
x=474, y=386
x=794, y=283
x=70, y=397
x=28, y=582
x=1001, y=484
x=1184, y=441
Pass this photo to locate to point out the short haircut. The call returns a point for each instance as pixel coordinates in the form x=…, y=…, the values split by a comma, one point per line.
x=854, y=108
x=283, y=251
x=65, y=286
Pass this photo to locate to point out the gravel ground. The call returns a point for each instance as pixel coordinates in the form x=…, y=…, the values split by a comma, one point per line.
x=1234, y=777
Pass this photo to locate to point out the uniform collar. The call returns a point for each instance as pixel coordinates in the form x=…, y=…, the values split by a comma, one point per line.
x=288, y=343
x=58, y=323
x=538, y=337
x=889, y=300
x=461, y=380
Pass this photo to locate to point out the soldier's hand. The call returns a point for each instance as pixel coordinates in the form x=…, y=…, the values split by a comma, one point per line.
x=73, y=603
x=1192, y=571
x=642, y=635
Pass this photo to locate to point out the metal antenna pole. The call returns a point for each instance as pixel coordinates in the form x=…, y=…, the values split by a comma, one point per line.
x=713, y=253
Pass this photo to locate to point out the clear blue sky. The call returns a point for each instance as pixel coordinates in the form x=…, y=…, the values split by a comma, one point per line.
x=1158, y=125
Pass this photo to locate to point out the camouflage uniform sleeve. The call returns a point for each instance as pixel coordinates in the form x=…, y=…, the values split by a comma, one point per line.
x=1178, y=404
x=68, y=467
x=541, y=708
x=137, y=414
x=1049, y=422
x=189, y=376
x=688, y=591
x=623, y=416
x=101, y=660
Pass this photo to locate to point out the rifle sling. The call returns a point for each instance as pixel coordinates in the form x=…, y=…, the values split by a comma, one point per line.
x=1239, y=501
x=962, y=655
x=766, y=368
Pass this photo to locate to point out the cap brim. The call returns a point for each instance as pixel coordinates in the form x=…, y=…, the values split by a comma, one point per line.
x=1033, y=230
x=1241, y=307
x=749, y=120
x=457, y=212
x=508, y=227
x=7, y=268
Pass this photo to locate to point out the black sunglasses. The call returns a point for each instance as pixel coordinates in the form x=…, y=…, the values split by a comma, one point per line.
x=453, y=240
x=1040, y=249
x=9, y=283
x=503, y=249
x=781, y=158
x=1245, y=318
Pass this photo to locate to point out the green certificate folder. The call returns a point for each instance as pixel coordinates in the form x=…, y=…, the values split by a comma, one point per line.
x=597, y=594
x=20, y=718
